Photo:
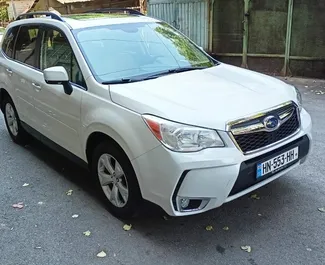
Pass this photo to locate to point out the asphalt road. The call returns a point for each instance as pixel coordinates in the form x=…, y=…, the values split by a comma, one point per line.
x=283, y=227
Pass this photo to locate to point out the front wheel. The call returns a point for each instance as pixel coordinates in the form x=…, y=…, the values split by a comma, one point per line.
x=16, y=131
x=116, y=180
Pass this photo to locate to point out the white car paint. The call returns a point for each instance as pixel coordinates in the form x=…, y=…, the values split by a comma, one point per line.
x=197, y=97
x=207, y=98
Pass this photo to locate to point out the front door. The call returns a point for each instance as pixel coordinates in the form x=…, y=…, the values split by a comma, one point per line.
x=57, y=112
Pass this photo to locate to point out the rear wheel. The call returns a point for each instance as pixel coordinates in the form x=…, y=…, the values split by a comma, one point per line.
x=16, y=131
x=116, y=180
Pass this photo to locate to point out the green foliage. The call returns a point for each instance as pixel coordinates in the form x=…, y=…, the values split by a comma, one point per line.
x=3, y=13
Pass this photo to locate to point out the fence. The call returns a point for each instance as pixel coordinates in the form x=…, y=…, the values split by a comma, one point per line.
x=282, y=36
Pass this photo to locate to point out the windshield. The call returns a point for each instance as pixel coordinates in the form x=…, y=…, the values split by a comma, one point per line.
x=121, y=51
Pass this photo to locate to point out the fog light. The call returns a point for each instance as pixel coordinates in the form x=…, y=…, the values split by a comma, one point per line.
x=184, y=203
x=192, y=204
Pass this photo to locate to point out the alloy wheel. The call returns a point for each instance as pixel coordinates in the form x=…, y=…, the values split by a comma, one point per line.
x=11, y=119
x=113, y=180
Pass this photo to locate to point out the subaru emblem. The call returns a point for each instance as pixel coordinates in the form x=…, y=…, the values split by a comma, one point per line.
x=271, y=123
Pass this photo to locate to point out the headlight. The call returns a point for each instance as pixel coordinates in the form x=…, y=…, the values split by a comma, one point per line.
x=182, y=138
x=299, y=98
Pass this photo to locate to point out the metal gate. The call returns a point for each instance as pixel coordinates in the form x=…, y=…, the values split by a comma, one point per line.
x=191, y=17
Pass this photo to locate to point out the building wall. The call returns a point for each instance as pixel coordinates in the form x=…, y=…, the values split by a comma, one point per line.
x=79, y=7
x=20, y=7
x=86, y=6
x=42, y=5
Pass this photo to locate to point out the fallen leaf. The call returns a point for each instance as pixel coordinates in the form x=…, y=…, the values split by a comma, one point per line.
x=69, y=192
x=255, y=196
x=127, y=227
x=165, y=218
x=87, y=233
x=38, y=247
x=322, y=210
x=306, y=86
x=246, y=248
x=308, y=249
x=25, y=185
x=40, y=203
x=259, y=214
x=209, y=228
x=226, y=228
x=114, y=255
x=101, y=254
x=75, y=216
x=18, y=205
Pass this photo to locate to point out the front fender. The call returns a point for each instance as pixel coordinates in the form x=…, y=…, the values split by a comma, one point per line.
x=125, y=127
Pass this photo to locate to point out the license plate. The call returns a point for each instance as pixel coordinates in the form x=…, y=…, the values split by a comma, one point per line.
x=276, y=163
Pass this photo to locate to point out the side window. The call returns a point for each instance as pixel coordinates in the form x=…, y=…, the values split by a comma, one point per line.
x=9, y=41
x=25, y=48
x=56, y=51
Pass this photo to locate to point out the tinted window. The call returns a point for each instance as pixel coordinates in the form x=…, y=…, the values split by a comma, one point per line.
x=56, y=51
x=25, y=49
x=9, y=41
x=127, y=50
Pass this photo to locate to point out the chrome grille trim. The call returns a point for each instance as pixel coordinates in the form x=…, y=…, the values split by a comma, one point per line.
x=258, y=115
x=259, y=126
x=256, y=126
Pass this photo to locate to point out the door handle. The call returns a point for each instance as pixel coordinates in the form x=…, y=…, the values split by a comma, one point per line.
x=36, y=86
x=9, y=71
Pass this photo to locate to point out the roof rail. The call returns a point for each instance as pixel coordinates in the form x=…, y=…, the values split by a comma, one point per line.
x=116, y=10
x=39, y=13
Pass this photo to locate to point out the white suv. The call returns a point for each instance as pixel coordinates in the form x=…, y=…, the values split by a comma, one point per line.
x=148, y=111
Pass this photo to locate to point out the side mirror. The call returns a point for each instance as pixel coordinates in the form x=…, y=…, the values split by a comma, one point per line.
x=57, y=75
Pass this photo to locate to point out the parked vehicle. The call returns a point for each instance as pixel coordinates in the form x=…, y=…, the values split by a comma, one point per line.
x=150, y=114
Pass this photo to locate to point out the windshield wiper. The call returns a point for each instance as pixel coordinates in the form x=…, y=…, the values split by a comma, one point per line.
x=173, y=71
x=152, y=76
x=184, y=69
x=118, y=81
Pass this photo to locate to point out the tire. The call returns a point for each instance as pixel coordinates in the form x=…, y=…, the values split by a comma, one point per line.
x=13, y=123
x=117, y=182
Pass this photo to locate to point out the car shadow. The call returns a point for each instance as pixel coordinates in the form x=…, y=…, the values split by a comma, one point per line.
x=243, y=216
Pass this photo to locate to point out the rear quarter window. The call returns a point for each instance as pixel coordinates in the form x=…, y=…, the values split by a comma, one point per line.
x=9, y=41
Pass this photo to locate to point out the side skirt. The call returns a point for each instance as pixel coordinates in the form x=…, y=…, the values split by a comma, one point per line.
x=59, y=149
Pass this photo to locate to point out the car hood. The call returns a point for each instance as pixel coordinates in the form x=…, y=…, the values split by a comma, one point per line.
x=210, y=97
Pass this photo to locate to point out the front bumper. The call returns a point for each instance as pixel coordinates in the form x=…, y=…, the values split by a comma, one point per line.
x=216, y=175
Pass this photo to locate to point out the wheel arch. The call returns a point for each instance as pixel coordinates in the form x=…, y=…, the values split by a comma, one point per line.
x=3, y=94
x=100, y=133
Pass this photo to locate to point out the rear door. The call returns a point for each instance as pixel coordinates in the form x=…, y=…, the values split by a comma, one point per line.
x=23, y=69
x=7, y=64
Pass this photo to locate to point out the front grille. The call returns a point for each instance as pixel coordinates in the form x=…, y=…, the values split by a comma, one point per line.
x=259, y=138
